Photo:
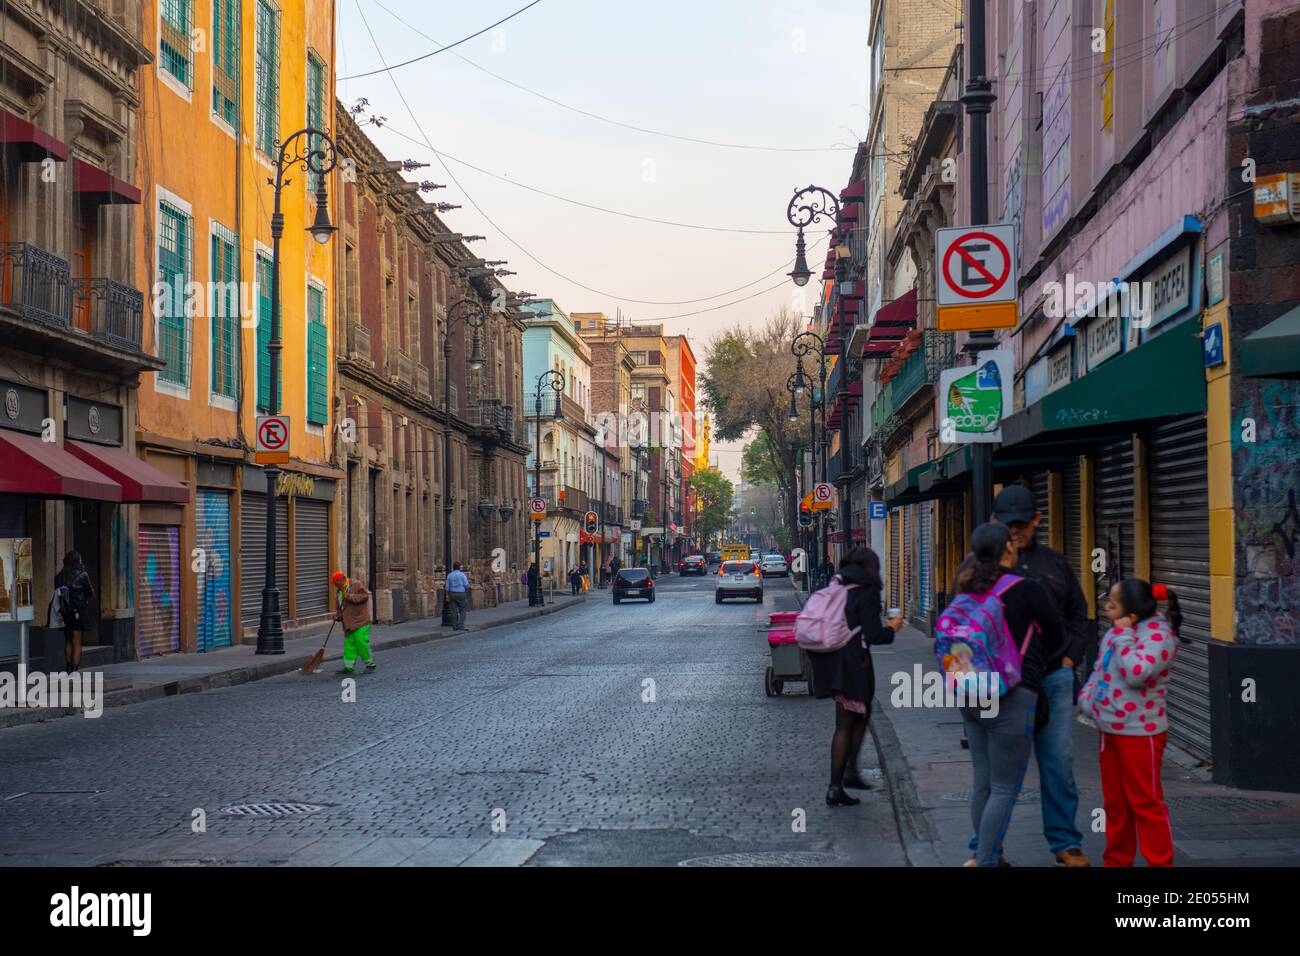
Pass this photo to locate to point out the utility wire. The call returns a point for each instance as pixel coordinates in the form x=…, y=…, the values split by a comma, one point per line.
x=386, y=68
x=470, y=199
x=609, y=120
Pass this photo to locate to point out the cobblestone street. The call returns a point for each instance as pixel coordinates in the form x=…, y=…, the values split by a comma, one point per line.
x=543, y=722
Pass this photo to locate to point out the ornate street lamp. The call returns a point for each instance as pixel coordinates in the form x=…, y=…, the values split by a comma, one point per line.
x=551, y=379
x=312, y=149
x=471, y=314
x=808, y=344
x=809, y=205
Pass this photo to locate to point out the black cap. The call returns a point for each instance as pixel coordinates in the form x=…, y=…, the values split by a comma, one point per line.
x=1014, y=503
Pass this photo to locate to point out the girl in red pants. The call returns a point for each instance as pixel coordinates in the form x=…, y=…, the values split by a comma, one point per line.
x=1126, y=697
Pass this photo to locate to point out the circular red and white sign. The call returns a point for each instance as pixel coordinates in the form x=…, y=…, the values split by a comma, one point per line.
x=272, y=434
x=994, y=282
x=537, y=506
x=822, y=492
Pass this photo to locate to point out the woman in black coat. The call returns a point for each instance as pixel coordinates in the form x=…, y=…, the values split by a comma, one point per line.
x=847, y=674
x=82, y=594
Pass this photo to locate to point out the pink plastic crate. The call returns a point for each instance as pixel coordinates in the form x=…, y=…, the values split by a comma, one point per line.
x=778, y=637
x=782, y=617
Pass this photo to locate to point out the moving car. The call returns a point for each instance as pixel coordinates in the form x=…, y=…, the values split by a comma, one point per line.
x=774, y=564
x=633, y=583
x=693, y=564
x=715, y=557
x=738, y=579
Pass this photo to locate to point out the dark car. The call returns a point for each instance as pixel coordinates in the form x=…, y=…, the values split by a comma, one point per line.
x=693, y=564
x=633, y=583
x=715, y=558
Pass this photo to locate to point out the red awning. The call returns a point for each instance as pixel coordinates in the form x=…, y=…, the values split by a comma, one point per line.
x=140, y=481
x=854, y=191
x=29, y=466
x=34, y=144
x=94, y=183
x=893, y=321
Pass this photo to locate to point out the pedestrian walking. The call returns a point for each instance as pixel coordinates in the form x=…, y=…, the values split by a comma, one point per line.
x=534, y=585
x=1053, y=743
x=76, y=606
x=575, y=581
x=847, y=674
x=352, y=610
x=458, y=594
x=1125, y=696
x=606, y=570
x=1000, y=742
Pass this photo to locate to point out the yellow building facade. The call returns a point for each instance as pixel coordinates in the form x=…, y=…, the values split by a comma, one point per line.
x=231, y=80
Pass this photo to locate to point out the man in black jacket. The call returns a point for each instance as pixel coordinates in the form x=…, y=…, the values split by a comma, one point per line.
x=1015, y=508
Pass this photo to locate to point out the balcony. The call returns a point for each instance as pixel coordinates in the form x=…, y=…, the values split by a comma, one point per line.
x=92, y=322
x=573, y=412
x=359, y=344
x=919, y=370
x=422, y=383
x=109, y=311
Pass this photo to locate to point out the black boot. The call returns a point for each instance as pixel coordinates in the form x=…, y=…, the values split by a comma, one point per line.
x=836, y=797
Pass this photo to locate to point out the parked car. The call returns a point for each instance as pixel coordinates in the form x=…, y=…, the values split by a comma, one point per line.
x=738, y=579
x=693, y=564
x=774, y=565
x=715, y=558
x=633, y=583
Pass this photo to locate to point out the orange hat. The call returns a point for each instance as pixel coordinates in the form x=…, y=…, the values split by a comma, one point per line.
x=339, y=579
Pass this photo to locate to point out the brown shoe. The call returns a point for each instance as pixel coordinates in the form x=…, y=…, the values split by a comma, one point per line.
x=1072, y=857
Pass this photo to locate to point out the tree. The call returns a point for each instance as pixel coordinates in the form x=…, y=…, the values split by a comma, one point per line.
x=714, y=493
x=745, y=372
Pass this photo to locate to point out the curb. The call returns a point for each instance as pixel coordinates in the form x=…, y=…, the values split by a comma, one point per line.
x=245, y=675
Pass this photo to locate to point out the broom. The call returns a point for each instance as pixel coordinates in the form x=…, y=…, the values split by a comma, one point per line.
x=319, y=656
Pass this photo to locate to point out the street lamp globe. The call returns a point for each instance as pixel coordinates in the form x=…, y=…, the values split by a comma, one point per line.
x=321, y=229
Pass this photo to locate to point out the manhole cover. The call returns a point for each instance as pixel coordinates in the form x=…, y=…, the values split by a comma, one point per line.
x=270, y=809
x=1225, y=804
x=776, y=858
x=963, y=796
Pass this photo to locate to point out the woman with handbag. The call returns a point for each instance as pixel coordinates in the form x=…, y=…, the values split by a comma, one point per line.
x=847, y=674
x=81, y=594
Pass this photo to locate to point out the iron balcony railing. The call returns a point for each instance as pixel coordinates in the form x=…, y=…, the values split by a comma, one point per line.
x=109, y=311
x=359, y=338
x=36, y=284
x=422, y=381
x=922, y=368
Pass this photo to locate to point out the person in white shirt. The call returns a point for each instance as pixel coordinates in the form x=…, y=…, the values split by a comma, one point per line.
x=458, y=593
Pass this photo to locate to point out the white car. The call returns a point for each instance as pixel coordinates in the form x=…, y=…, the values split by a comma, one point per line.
x=774, y=564
x=738, y=579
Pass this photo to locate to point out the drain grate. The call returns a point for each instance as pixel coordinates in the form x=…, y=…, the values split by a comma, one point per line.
x=963, y=796
x=270, y=809
x=1224, y=804
x=774, y=858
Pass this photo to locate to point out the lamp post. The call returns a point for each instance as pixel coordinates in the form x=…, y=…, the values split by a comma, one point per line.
x=669, y=468
x=807, y=344
x=554, y=380
x=471, y=314
x=809, y=205
x=312, y=149
x=795, y=386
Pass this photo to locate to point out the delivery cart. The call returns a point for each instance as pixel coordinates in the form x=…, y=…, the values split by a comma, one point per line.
x=790, y=662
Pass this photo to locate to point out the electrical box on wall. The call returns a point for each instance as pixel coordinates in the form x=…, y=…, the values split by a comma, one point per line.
x=1277, y=198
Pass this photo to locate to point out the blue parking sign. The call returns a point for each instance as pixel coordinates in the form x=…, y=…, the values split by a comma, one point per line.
x=878, y=511
x=1212, y=340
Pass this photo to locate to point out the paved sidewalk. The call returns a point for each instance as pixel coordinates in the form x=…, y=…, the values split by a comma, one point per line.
x=930, y=776
x=170, y=674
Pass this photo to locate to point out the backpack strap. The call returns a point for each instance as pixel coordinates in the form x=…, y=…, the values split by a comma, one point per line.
x=1005, y=583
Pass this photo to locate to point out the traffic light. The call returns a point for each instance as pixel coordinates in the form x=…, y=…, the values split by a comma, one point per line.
x=805, y=515
x=590, y=522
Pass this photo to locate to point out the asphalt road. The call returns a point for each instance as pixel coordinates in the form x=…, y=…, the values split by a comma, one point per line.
x=630, y=735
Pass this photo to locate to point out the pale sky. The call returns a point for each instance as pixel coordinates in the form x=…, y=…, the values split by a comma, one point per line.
x=753, y=72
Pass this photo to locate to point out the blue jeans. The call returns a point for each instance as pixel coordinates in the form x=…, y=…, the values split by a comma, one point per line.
x=999, y=754
x=1059, y=795
x=1052, y=747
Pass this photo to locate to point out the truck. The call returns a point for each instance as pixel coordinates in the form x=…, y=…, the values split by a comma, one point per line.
x=735, y=551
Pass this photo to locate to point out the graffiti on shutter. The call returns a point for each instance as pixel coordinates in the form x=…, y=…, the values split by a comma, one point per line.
x=213, y=574
x=1180, y=559
x=158, y=597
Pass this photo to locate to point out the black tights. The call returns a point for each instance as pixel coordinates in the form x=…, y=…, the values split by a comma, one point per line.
x=850, y=730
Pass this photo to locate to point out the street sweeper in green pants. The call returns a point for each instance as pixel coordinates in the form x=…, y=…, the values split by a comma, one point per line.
x=353, y=610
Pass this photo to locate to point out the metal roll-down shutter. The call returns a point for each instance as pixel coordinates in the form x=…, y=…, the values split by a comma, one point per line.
x=312, y=557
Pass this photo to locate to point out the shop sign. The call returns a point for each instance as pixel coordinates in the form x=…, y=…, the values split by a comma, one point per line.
x=291, y=484
x=975, y=398
x=97, y=422
x=1104, y=339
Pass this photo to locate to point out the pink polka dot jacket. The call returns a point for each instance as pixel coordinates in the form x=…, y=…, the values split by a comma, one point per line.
x=1126, y=692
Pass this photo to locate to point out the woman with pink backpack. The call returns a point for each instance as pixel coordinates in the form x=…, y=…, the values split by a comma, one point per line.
x=999, y=628
x=846, y=672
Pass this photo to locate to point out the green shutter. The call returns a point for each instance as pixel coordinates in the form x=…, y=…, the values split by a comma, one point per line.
x=315, y=107
x=225, y=312
x=264, y=339
x=173, y=272
x=317, y=358
x=267, y=76
x=174, y=20
x=225, y=60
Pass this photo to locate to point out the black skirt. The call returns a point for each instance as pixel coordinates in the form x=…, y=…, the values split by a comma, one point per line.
x=848, y=671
